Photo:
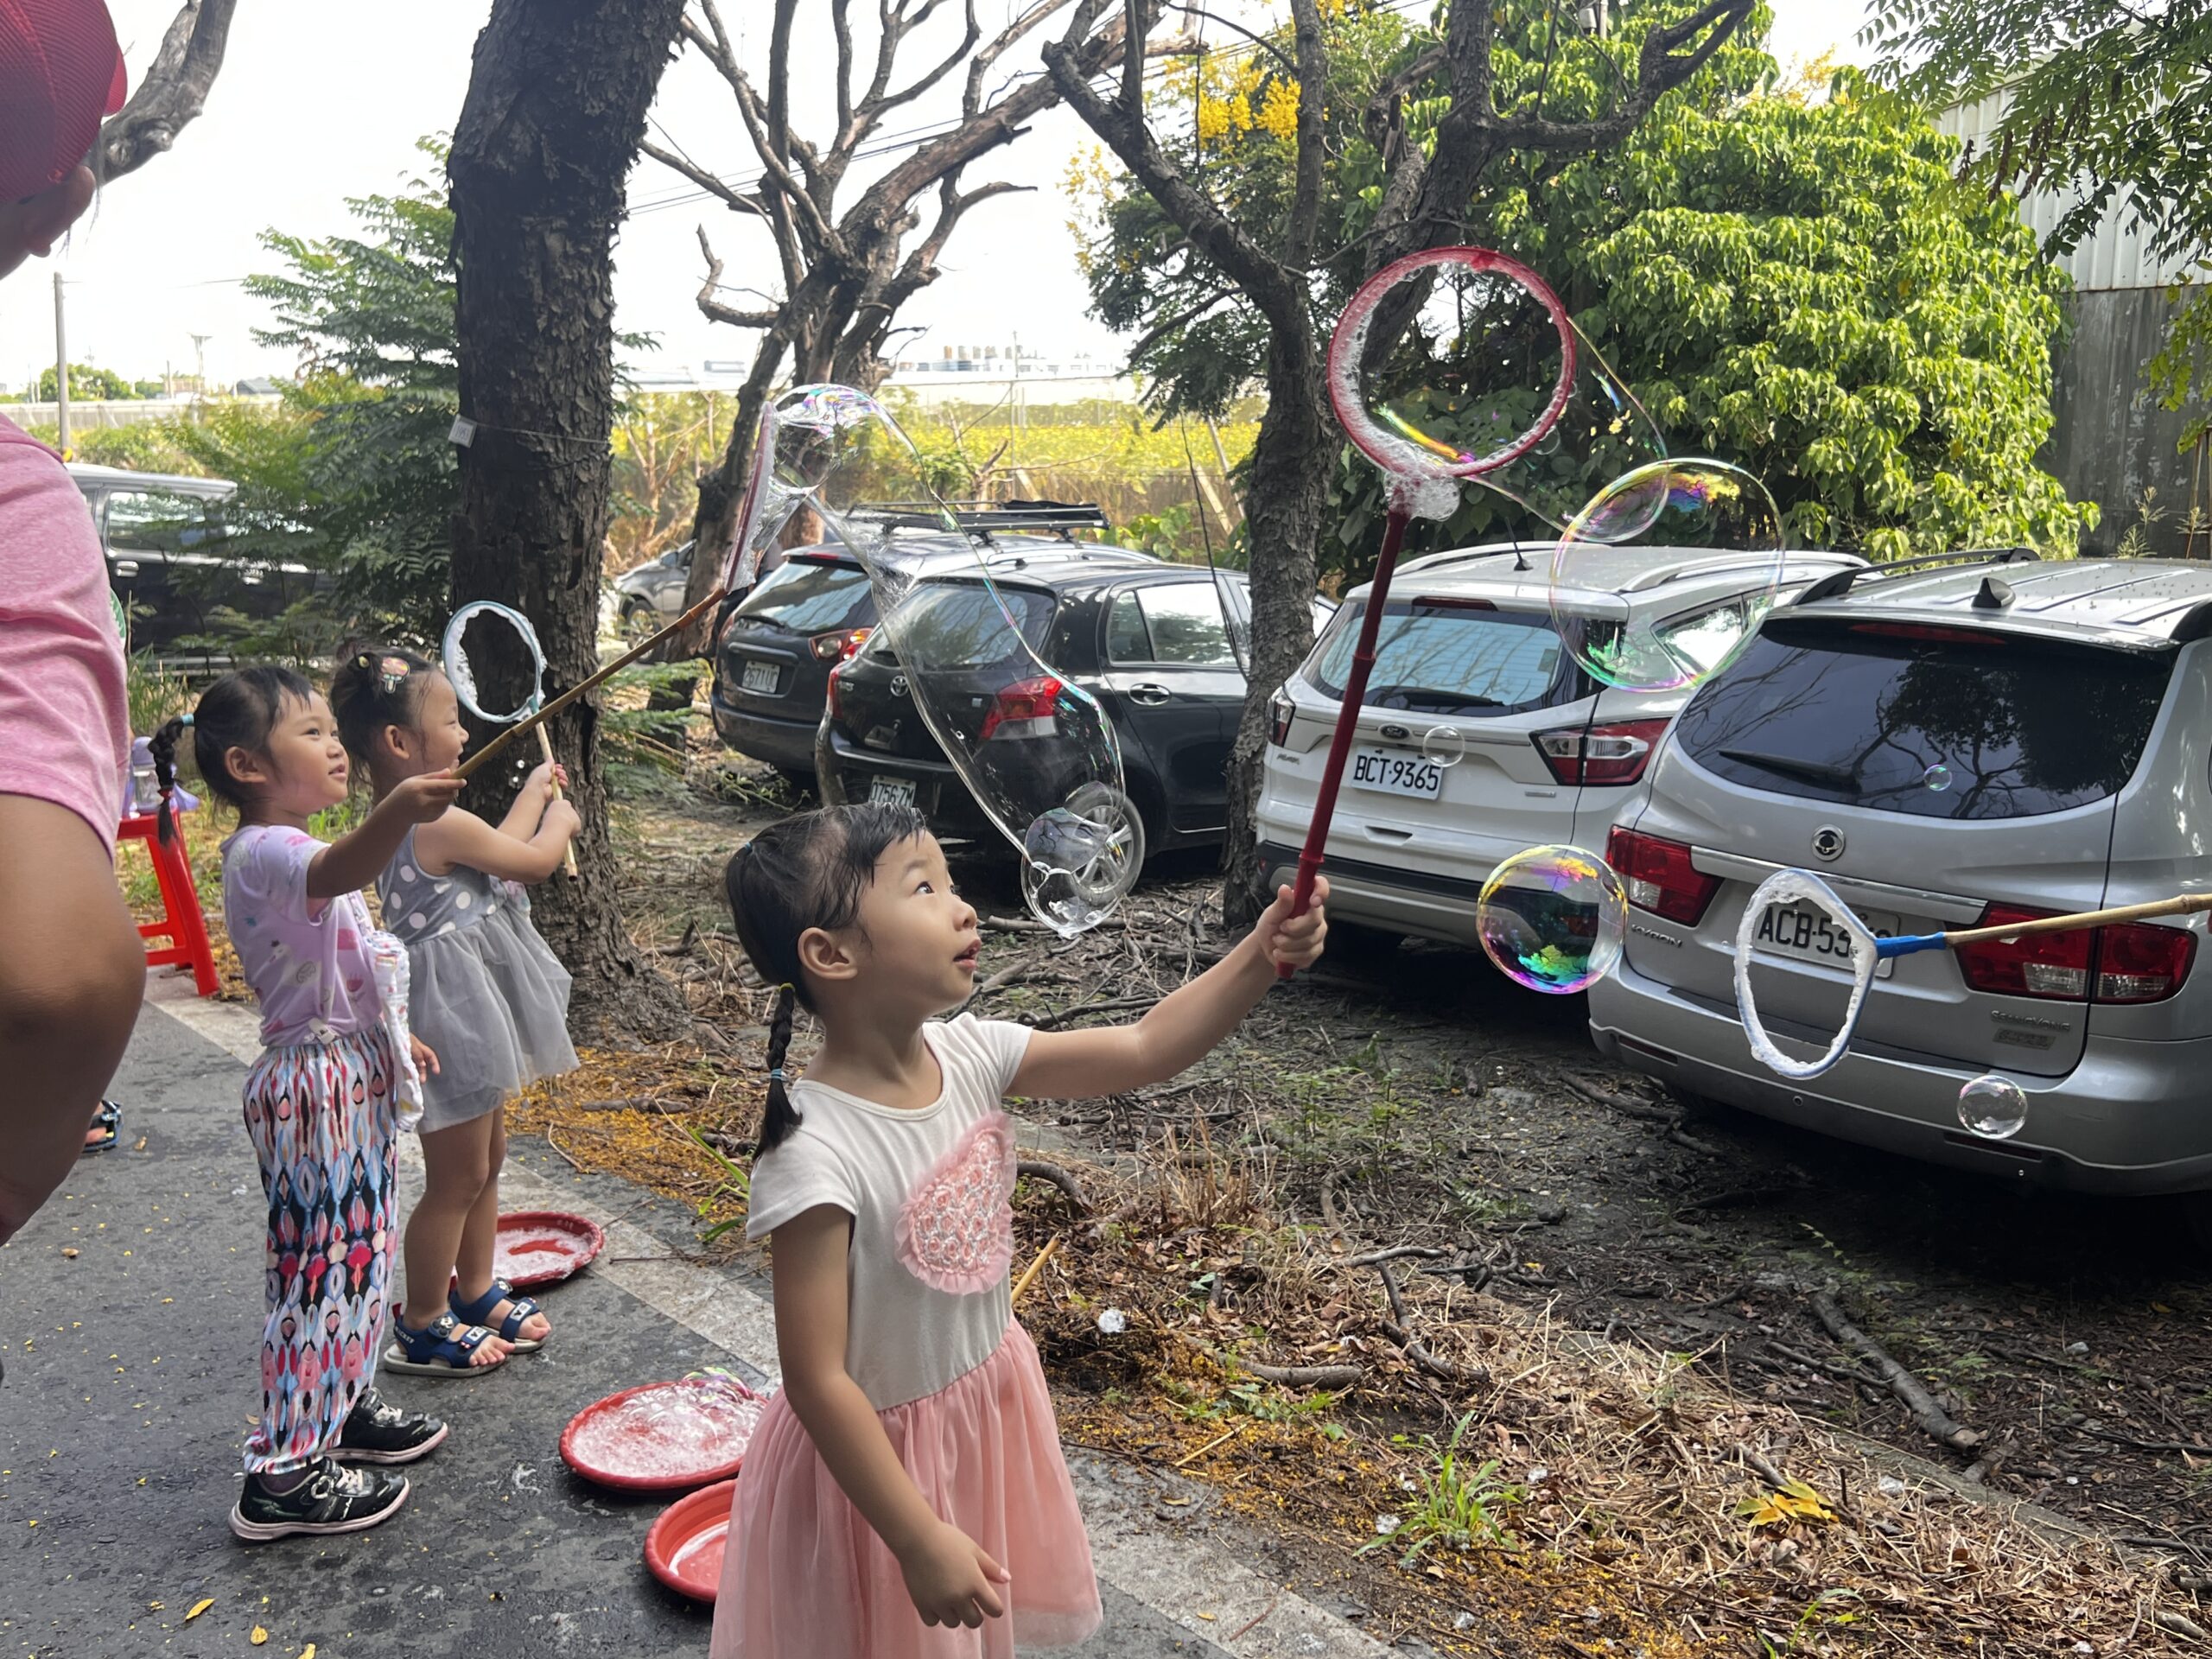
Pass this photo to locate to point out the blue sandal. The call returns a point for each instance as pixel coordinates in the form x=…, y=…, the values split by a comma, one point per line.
x=441, y=1348
x=479, y=1313
x=109, y=1121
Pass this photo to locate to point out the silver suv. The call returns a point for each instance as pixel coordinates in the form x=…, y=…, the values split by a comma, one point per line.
x=1945, y=746
x=1479, y=737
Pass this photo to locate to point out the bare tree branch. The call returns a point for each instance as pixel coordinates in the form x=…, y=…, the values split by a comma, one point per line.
x=714, y=310
x=1279, y=292
x=736, y=200
x=173, y=91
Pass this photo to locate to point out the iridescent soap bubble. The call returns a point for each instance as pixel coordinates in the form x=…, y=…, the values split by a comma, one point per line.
x=1553, y=919
x=1036, y=751
x=1996, y=1109
x=1446, y=745
x=1079, y=859
x=1937, y=777
x=1641, y=519
x=1460, y=364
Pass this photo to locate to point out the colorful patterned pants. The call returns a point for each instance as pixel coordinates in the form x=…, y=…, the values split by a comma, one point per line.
x=322, y=1120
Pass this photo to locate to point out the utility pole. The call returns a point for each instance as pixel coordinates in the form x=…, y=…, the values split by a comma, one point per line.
x=199, y=361
x=61, y=367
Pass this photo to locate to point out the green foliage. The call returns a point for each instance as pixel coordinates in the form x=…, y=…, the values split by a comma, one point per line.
x=95, y=386
x=1792, y=283
x=2113, y=96
x=1456, y=1503
x=357, y=478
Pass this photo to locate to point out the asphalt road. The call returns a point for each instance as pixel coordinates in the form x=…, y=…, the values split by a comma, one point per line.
x=130, y=1310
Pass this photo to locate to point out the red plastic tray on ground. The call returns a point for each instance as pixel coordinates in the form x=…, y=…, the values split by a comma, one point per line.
x=664, y=1437
x=543, y=1247
x=684, y=1548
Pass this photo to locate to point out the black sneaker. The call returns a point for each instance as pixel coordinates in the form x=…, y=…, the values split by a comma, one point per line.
x=378, y=1432
x=331, y=1499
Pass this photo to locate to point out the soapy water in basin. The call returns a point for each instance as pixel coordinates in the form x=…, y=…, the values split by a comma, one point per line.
x=674, y=1430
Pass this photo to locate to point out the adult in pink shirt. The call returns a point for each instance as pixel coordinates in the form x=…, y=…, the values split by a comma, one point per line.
x=71, y=966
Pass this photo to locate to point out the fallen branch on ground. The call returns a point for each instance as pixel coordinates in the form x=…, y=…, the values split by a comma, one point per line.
x=1112, y=1005
x=1434, y=1364
x=1931, y=1418
x=1625, y=1103
x=1288, y=1376
x=1065, y=1180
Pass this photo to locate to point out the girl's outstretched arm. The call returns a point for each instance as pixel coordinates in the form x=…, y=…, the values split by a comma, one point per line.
x=461, y=837
x=1183, y=1027
x=950, y=1578
x=358, y=856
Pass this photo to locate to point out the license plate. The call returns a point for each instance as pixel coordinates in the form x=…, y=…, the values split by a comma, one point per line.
x=892, y=792
x=759, y=675
x=1810, y=934
x=1393, y=771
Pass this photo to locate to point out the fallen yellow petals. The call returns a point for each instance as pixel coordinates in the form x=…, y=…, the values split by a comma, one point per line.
x=258, y=1637
x=200, y=1607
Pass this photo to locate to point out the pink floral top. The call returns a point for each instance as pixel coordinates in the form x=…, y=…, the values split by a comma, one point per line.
x=307, y=959
x=930, y=1193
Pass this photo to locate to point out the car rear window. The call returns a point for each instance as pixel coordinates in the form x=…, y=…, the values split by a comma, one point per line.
x=965, y=622
x=1936, y=722
x=1443, y=657
x=812, y=596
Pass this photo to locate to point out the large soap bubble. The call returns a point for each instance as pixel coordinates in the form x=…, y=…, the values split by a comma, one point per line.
x=959, y=651
x=1625, y=632
x=1994, y=1108
x=1460, y=364
x=1553, y=919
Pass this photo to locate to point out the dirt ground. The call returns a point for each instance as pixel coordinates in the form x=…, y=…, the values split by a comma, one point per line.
x=1414, y=1099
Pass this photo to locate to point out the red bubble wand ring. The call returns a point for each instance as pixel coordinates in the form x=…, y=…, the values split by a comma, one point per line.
x=1424, y=473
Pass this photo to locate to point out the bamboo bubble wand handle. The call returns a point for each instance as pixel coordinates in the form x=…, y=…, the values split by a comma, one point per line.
x=2187, y=903
x=568, y=852
x=1034, y=1268
x=533, y=722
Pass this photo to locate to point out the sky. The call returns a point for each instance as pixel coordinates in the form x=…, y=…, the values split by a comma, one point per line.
x=317, y=103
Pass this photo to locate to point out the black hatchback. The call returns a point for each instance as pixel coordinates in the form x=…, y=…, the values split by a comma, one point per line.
x=775, y=650
x=1151, y=642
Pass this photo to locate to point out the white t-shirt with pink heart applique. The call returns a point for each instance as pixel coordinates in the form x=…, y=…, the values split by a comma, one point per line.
x=930, y=1194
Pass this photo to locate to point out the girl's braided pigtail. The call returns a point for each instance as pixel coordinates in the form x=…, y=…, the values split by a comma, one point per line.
x=781, y=1116
x=163, y=746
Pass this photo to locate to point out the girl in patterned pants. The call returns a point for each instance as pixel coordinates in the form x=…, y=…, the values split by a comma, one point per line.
x=325, y=1100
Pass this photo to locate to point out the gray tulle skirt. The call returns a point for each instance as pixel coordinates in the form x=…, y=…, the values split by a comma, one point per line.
x=491, y=1000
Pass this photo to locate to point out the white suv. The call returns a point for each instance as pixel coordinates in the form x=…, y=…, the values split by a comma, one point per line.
x=1479, y=736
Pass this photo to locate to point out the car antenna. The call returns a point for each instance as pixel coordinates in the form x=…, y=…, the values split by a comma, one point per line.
x=1520, y=559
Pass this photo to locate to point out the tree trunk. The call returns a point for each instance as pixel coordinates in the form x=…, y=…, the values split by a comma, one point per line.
x=555, y=108
x=1284, y=506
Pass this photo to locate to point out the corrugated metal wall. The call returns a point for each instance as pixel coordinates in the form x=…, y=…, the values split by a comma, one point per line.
x=2112, y=256
x=2111, y=442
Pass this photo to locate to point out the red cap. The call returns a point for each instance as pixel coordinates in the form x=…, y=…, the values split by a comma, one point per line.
x=60, y=72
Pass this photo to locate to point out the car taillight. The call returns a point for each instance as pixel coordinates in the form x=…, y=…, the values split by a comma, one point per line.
x=2050, y=965
x=2135, y=961
x=1659, y=875
x=2140, y=961
x=836, y=697
x=839, y=646
x=1600, y=754
x=1024, y=709
x=1283, y=711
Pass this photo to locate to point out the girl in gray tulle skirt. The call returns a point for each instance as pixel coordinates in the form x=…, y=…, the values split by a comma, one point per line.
x=485, y=994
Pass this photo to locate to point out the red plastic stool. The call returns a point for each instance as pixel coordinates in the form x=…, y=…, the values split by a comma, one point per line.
x=182, y=923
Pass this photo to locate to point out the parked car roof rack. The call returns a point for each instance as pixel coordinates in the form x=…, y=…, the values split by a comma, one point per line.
x=1835, y=587
x=986, y=519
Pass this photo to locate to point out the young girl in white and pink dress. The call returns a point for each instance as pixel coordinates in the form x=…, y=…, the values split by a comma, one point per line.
x=905, y=1496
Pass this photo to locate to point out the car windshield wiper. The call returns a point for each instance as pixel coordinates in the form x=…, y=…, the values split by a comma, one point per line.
x=1813, y=771
x=1438, y=701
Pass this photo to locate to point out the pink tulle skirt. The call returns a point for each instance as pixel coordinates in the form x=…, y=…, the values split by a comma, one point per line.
x=805, y=1577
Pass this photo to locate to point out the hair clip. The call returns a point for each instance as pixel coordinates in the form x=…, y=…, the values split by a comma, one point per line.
x=395, y=671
